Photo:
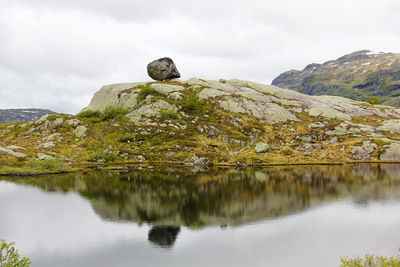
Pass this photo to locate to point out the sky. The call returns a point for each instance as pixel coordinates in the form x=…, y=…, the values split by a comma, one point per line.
x=56, y=54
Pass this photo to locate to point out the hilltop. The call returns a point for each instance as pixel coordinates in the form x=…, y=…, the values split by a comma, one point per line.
x=202, y=122
x=25, y=114
x=362, y=75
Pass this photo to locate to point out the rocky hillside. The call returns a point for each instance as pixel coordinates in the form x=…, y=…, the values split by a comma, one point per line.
x=198, y=122
x=362, y=75
x=14, y=115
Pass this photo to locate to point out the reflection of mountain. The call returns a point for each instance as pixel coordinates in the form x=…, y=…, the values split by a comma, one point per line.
x=221, y=197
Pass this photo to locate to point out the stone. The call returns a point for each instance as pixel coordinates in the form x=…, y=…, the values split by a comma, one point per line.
x=73, y=122
x=363, y=152
x=42, y=156
x=163, y=69
x=47, y=145
x=80, y=131
x=14, y=147
x=261, y=147
x=392, y=152
x=328, y=113
x=12, y=152
x=334, y=140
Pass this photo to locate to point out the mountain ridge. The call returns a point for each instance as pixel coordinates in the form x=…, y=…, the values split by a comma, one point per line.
x=362, y=75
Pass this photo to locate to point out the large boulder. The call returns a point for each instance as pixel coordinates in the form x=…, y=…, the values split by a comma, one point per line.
x=163, y=69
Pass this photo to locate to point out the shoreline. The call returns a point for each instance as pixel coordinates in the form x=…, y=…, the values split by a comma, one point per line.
x=144, y=165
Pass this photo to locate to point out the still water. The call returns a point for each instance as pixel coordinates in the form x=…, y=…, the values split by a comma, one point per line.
x=278, y=216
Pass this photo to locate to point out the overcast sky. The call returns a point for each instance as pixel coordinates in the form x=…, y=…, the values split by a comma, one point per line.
x=56, y=53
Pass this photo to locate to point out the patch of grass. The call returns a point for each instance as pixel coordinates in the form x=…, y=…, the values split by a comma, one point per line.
x=127, y=137
x=169, y=114
x=89, y=114
x=108, y=113
x=374, y=100
x=191, y=104
x=156, y=141
x=144, y=92
x=35, y=167
x=113, y=112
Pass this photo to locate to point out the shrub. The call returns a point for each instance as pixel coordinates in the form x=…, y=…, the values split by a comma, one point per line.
x=9, y=256
x=370, y=260
x=144, y=92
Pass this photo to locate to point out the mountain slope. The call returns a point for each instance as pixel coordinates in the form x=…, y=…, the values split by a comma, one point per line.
x=362, y=75
x=197, y=122
x=26, y=114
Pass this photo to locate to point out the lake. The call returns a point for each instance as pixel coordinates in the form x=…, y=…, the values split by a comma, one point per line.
x=276, y=216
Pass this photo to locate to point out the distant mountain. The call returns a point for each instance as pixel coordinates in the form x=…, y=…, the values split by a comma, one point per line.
x=28, y=114
x=362, y=75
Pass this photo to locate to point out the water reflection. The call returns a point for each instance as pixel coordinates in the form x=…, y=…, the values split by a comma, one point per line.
x=168, y=202
x=221, y=197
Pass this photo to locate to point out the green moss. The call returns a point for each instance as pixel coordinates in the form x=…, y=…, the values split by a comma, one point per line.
x=127, y=137
x=370, y=260
x=89, y=114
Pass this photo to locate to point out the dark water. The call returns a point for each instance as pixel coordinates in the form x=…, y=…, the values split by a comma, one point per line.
x=280, y=216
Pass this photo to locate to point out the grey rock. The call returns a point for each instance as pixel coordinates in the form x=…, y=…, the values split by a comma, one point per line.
x=80, y=131
x=261, y=147
x=363, y=152
x=42, y=156
x=47, y=145
x=12, y=152
x=392, y=152
x=13, y=147
x=163, y=69
x=73, y=122
x=334, y=140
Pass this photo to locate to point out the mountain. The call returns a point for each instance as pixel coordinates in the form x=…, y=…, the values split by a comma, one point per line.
x=28, y=114
x=362, y=75
x=201, y=122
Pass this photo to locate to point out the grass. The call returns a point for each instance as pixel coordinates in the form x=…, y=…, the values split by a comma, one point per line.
x=108, y=113
x=169, y=115
x=35, y=167
x=144, y=92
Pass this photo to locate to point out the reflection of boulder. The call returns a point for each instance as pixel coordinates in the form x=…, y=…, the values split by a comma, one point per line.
x=164, y=236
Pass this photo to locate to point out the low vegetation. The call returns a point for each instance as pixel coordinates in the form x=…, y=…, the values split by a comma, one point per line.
x=9, y=256
x=371, y=261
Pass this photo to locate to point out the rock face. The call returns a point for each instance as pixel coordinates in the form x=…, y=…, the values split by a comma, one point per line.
x=163, y=69
x=362, y=75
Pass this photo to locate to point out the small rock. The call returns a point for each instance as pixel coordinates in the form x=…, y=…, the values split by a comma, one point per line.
x=80, y=131
x=47, y=145
x=261, y=147
x=334, y=140
x=163, y=69
x=73, y=122
x=42, y=156
x=13, y=153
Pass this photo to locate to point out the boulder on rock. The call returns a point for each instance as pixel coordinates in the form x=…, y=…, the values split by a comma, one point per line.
x=163, y=69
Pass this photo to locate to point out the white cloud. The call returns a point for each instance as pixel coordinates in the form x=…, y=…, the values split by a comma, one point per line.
x=56, y=54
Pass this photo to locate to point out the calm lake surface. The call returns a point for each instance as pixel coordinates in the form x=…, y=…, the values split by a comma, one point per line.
x=278, y=216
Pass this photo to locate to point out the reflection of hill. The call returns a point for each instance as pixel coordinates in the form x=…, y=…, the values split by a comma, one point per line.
x=221, y=197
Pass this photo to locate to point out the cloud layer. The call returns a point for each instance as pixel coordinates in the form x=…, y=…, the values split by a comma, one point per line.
x=55, y=54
